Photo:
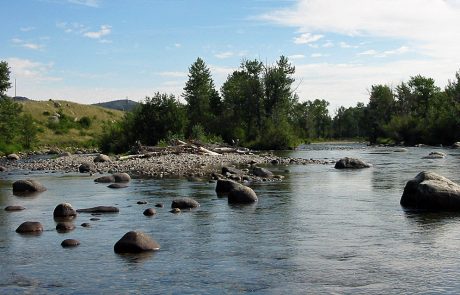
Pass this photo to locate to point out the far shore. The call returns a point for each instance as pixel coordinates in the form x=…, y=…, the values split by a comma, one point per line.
x=183, y=165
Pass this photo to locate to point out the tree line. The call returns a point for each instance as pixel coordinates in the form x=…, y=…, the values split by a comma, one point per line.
x=257, y=107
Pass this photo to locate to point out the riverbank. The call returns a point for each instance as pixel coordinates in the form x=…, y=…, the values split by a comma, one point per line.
x=183, y=165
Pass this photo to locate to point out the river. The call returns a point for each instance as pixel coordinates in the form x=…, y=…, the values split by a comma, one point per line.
x=319, y=231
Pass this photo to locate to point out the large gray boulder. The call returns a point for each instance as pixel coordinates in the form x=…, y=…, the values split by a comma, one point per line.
x=28, y=186
x=224, y=186
x=242, y=195
x=430, y=191
x=136, y=242
x=351, y=163
x=184, y=203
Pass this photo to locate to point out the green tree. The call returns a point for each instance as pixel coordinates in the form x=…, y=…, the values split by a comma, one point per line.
x=28, y=131
x=157, y=117
x=4, y=77
x=9, y=120
x=379, y=111
x=453, y=88
x=203, y=101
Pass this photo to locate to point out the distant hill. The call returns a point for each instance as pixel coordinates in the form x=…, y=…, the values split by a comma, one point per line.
x=121, y=105
x=20, y=98
x=51, y=112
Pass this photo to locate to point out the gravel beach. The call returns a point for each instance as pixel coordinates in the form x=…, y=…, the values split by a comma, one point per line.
x=183, y=165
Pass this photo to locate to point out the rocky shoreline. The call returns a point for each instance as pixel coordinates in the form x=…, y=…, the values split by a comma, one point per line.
x=183, y=165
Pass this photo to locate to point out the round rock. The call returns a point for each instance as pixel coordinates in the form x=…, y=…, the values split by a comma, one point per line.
x=64, y=227
x=224, y=186
x=184, y=203
x=99, y=209
x=64, y=210
x=12, y=157
x=351, y=163
x=30, y=227
x=430, y=191
x=86, y=167
x=262, y=172
x=101, y=158
x=242, y=195
x=3, y=169
x=136, y=242
x=70, y=243
x=28, y=186
x=121, y=177
x=150, y=212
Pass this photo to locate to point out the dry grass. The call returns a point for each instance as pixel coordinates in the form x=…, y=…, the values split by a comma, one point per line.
x=42, y=110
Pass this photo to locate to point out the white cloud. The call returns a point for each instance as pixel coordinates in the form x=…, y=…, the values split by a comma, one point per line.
x=432, y=24
x=173, y=74
x=296, y=56
x=89, y=3
x=225, y=54
x=28, y=45
x=30, y=70
x=316, y=55
x=328, y=44
x=27, y=29
x=177, y=45
x=346, y=45
x=104, y=31
x=307, y=38
x=373, y=52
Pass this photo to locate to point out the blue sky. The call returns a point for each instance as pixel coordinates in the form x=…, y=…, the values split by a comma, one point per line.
x=97, y=50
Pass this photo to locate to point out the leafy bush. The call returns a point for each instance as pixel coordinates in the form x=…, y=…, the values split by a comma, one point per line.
x=85, y=122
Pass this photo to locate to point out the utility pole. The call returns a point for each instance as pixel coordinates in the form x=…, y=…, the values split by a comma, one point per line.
x=14, y=87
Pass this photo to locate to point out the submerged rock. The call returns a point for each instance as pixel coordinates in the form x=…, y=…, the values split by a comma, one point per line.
x=63, y=227
x=150, y=212
x=30, y=227
x=136, y=242
x=242, y=195
x=28, y=186
x=70, y=243
x=184, y=203
x=99, y=209
x=351, y=163
x=430, y=191
x=117, y=185
x=435, y=155
x=14, y=208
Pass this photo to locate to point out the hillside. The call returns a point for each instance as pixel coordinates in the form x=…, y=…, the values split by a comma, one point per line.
x=61, y=124
x=121, y=104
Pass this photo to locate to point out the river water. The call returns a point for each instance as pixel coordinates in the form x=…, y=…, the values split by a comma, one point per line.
x=319, y=231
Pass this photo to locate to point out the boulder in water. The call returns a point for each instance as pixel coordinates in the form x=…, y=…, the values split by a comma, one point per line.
x=64, y=210
x=99, y=209
x=136, y=242
x=435, y=155
x=117, y=185
x=14, y=208
x=184, y=203
x=70, y=243
x=86, y=168
x=351, y=163
x=121, y=177
x=262, y=172
x=3, y=169
x=63, y=227
x=30, y=227
x=28, y=186
x=242, y=195
x=224, y=186
x=150, y=212
x=430, y=191
x=105, y=179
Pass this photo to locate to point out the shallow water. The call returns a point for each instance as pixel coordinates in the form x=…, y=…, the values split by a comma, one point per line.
x=320, y=230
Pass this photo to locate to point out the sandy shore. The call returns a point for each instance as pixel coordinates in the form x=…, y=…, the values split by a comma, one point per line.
x=170, y=165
